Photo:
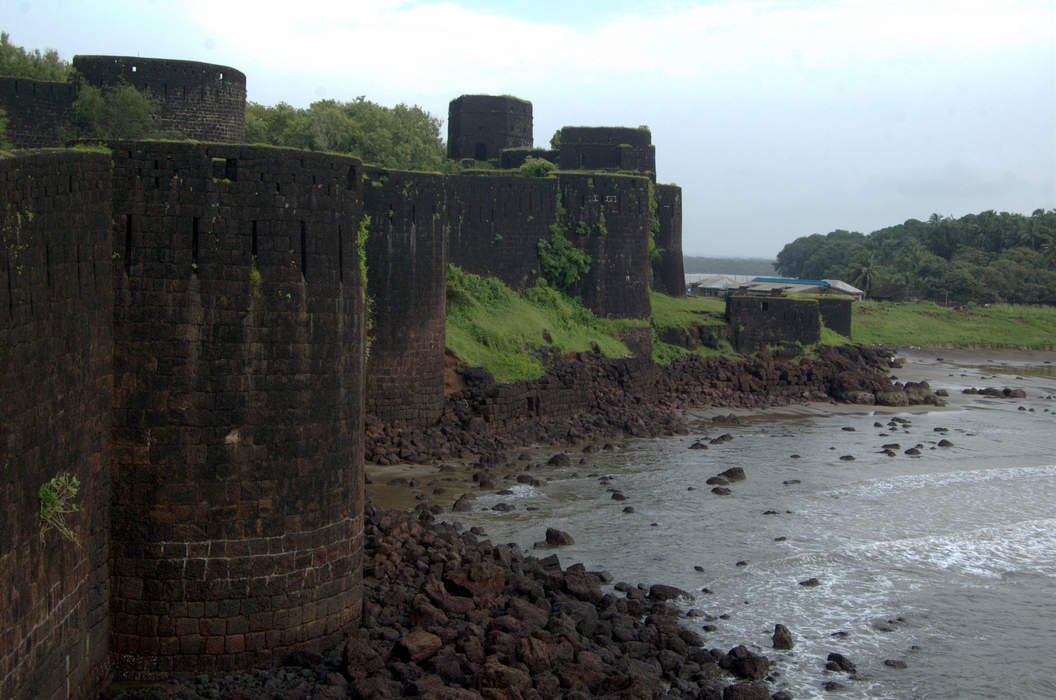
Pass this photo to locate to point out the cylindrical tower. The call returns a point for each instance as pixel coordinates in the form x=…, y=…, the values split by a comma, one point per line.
x=238, y=449
x=201, y=101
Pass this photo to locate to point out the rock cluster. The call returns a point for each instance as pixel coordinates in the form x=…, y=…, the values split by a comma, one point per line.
x=587, y=397
x=449, y=617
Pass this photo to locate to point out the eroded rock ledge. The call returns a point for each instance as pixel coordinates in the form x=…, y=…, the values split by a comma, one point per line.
x=587, y=397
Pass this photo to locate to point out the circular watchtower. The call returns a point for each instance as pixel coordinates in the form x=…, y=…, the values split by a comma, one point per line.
x=201, y=101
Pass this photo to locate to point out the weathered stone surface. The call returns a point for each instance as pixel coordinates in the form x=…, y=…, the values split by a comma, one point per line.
x=782, y=638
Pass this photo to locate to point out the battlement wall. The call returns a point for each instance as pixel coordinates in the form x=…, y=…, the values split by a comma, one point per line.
x=669, y=274
x=756, y=322
x=608, y=217
x=607, y=148
x=56, y=385
x=836, y=314
x=36, y=111
x=496, y=224
x=406, y=254
x=238, y=456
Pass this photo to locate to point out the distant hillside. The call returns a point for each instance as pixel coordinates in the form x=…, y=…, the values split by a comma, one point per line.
x=729, y=266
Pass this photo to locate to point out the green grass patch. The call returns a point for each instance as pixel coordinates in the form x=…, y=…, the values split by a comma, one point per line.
x=490, y=325
x=684, y=312
x=926, y=323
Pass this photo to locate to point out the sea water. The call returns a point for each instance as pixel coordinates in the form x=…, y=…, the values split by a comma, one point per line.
x=944, y=562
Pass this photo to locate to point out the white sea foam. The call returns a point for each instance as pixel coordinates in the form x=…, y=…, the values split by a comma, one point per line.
x=989, y=552
x=878, y=487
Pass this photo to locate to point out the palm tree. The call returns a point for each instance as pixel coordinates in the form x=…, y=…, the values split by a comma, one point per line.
x=864, y=272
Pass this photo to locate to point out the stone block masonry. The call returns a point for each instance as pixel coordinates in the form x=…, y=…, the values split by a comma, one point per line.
x=608, y=217
x=56, y=386
x=481, y=126
x=238, y=344
x=199, y=100
x=668, y=272
x=496, y=224
x=836, y=314
x=36, y=110
x=406, y=253
x=756, y=322
x=608, y=148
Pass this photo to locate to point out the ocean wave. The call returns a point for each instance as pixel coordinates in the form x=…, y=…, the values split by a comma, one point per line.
x=878, y=487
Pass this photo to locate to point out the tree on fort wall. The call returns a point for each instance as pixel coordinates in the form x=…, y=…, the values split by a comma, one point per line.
x=17, y=62
x=402, y=137
x=118, y=111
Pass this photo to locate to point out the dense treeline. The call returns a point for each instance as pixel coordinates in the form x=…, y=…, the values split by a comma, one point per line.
x=988, y=257
x=402, y=137
x=117, y=111
x=17, y=62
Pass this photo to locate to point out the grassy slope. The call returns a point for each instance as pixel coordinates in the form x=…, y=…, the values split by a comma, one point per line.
x=490, y=325
x=925, y=323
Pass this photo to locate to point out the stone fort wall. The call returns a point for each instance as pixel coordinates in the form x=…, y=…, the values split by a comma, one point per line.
x=56, y=386
x=184, y=333
x=201, y=101
x=36, y=111
x=238, y=345
x=669, y=275
x=406, y=256
x=756, y=322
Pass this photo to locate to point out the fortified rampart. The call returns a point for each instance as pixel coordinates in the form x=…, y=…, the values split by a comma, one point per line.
x=185, y=333
x=238, y=345
x=608, y=148
x=56, y=387
x=669, y=275
x=756, y=322
x=198, y=366
x=406, y=255
x=836, y=314
x=197, y=100
x=36, y=111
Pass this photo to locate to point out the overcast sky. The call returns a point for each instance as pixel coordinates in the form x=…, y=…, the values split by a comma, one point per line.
x=779, y=119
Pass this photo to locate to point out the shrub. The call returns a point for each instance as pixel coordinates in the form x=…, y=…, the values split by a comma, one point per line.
x=56, y=502
x=536, y=167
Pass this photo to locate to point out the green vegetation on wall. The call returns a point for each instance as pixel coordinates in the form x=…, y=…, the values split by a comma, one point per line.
x=562, y=263
x=4, y=143
x=119, y=111
x=536, y=167
x=510, y=333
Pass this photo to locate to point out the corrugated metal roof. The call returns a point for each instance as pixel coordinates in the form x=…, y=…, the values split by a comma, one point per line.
x=790, y=280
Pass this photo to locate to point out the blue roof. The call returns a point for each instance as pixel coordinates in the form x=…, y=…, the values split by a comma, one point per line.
x=789, y=280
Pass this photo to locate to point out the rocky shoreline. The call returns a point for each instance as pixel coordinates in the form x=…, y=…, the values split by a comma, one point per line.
x=588, y=397
x=451, y=617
